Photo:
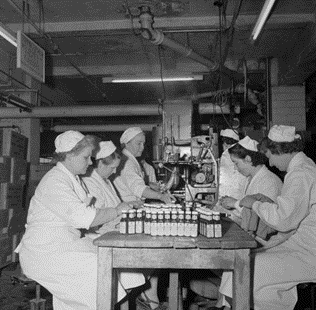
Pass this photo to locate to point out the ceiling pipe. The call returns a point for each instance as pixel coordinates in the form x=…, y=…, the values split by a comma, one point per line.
x=101, y=128
x=101, y=111
x=158, y=38
x=83, y=111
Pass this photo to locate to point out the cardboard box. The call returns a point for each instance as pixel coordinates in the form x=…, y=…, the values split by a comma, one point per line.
x=6, y=250
x=13, y=144
x=11, y=196
x=38, y=171
x=18, y=170
x=5, y=169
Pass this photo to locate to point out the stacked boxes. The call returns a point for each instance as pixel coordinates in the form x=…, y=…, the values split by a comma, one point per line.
x=13, y=177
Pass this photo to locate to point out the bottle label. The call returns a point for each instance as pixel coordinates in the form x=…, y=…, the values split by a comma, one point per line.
x=131, y=227
x=210, y=230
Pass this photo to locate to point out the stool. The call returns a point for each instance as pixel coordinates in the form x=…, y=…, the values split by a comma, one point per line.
x=37, y=303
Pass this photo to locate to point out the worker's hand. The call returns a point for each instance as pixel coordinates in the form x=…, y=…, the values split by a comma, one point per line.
x=122, y=206
x=137, y=204
x=262, y=198
x=155, y=186
x=248, y=201
x=167, y=198
x=228, y=202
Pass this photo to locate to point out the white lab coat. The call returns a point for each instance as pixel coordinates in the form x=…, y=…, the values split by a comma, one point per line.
x=231, y=182
x=264, y=182
x=150, y=172
x=278, y=270
x=106, y=197
x=51, y=251
x=130, y=181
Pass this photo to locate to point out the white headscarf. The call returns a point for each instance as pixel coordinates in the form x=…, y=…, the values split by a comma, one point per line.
x=129, y=134
x=67, y=140
x=106, y=148
x=282, y=133
x=249, y=144
x=229, y=133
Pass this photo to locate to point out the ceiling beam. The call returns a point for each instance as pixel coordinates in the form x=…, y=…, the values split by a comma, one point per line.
x=202, y=22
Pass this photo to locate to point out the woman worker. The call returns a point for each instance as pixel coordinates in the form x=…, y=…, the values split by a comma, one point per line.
x=278, y=270
x=130, y=180
x=96, y=179
x=250, y=163
x=231, y=182
x=51, y=251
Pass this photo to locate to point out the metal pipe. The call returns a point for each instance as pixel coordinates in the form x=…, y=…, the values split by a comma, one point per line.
x=158, y=38
x=83, y=111
x=100, y=128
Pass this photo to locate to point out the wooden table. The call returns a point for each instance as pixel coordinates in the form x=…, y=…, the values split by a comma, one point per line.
x=231, y=252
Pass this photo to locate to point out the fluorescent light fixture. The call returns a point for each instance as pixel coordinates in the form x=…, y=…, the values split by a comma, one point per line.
x=263, y=17
x=5, y=33
x=151, y=79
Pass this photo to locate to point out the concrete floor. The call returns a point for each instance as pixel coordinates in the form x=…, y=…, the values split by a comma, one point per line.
x=18, y=296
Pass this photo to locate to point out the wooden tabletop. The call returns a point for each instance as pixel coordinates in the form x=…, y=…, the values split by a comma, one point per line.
x=233, y=238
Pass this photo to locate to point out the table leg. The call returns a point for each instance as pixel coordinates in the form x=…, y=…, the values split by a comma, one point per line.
x=105, y=278
x=173, y=290
x=241, y=280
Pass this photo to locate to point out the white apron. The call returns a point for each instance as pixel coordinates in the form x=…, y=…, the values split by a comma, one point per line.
x=106, y=197
x=130, y=181
x=51, y=251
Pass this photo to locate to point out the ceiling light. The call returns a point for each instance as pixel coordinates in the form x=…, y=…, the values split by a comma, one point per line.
x=5, y=33
x=151, y=79
x=263, y=17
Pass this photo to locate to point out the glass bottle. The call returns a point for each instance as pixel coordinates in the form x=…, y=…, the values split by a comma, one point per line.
x=174, y=223
x=217, y=225
x=139, y=224
x=194, y=224
x=147, y=222
x=181, y=223
x=154, y=224
x=209, y=226
x=187, y=223
x=160, y=223
x=124, y=222
x=131, y=221
x=167, y=223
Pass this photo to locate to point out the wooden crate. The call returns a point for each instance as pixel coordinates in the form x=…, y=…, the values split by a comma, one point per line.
x=11, y=196
x=5, y=169
x=18, y=171
x=13, y=144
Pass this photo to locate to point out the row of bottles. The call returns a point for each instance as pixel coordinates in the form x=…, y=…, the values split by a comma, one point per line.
x=174, y=222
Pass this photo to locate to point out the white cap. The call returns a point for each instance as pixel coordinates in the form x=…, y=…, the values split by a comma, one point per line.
x=282, y=133
x=249, y=144
x=106, y=148
x=229, y=133
x=67, y=140
x=129, y=134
